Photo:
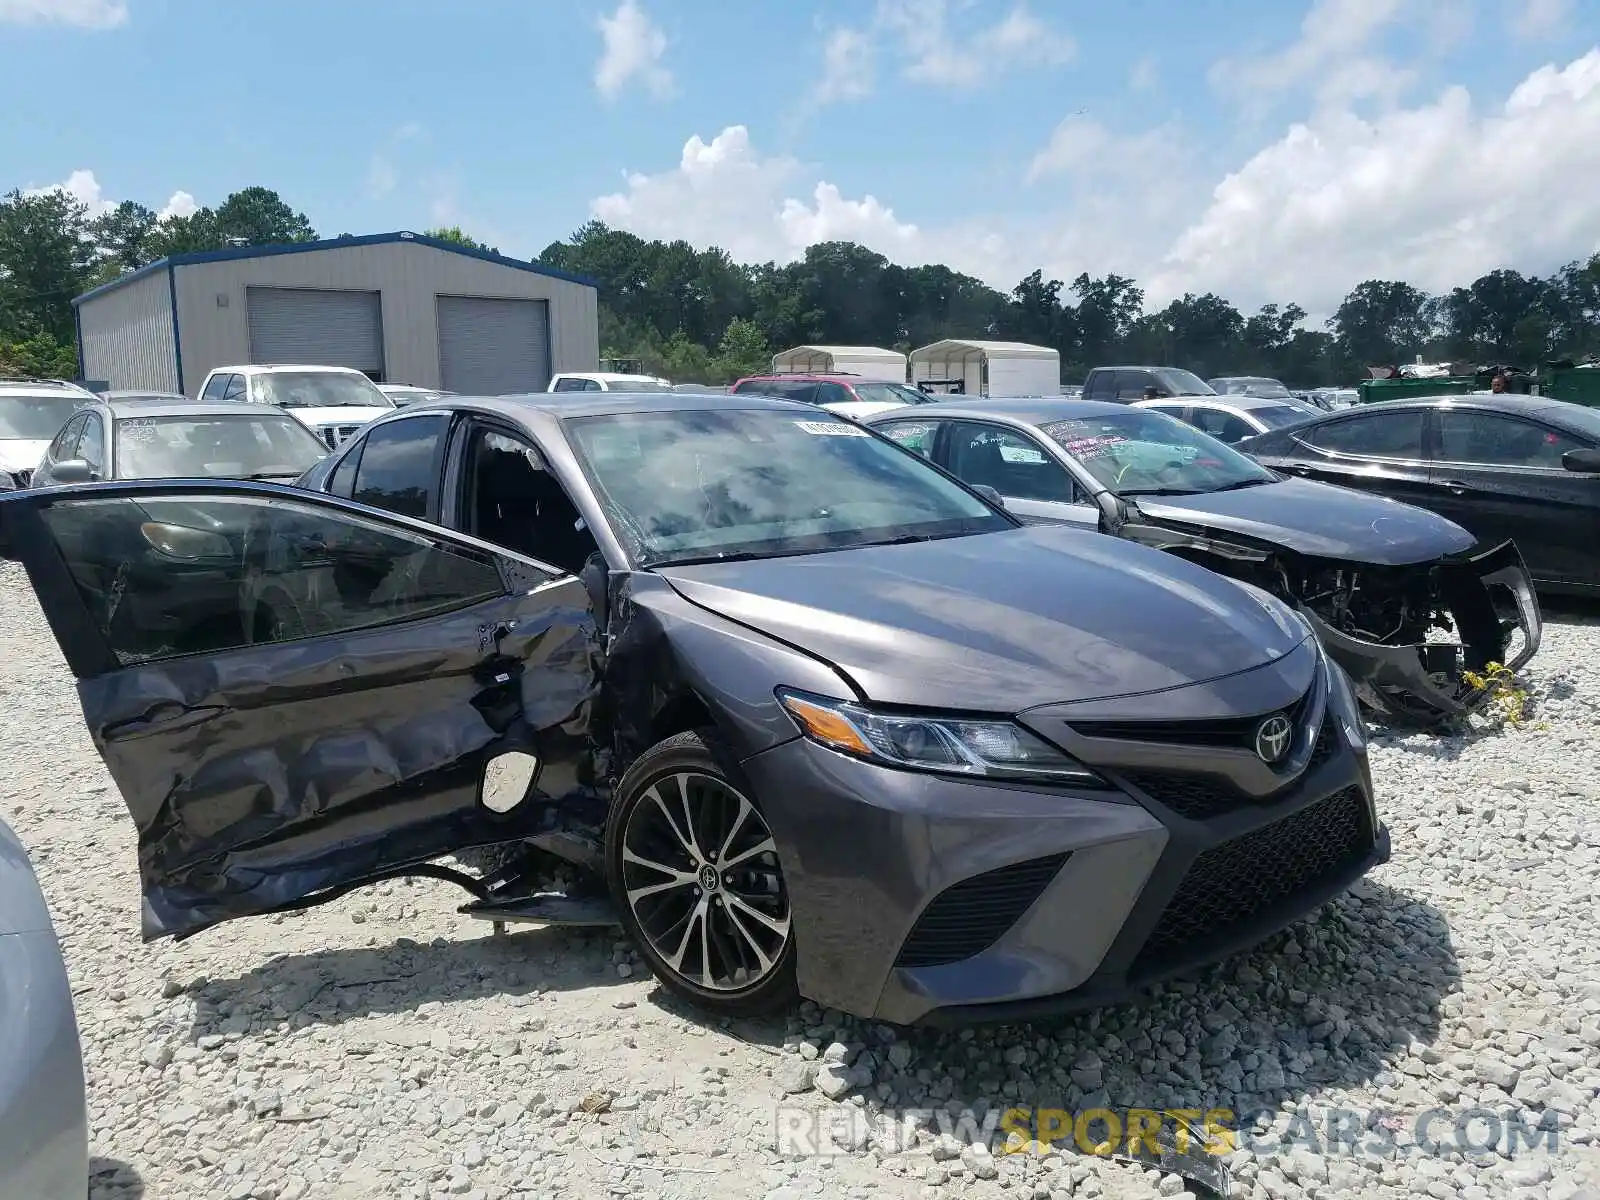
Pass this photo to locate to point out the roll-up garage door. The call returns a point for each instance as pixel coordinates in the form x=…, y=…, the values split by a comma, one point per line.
x=493, y=347
x=325, y=328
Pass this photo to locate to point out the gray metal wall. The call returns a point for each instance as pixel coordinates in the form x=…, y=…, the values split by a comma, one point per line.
x=215, y=330
x=127, y=335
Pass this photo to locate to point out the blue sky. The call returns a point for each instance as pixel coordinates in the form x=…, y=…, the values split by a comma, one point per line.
x=1283, y=151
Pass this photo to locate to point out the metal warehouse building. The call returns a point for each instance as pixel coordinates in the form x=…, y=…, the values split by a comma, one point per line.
x=402, y=307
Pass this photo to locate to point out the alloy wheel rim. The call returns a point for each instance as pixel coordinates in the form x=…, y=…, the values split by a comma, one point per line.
x=701, y=876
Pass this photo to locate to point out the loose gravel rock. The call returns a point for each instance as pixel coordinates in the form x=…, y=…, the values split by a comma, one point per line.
x=383, y=1046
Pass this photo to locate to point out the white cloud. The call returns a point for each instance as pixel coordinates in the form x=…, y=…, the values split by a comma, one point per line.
x=846, y=67
x=632, y=48
x=85, y=14
x=1539, y=18
x=1331, y=54
x=934, y=49
x=179, y=204
x=82, y=186
x=1144, y=74
x=1434, y=195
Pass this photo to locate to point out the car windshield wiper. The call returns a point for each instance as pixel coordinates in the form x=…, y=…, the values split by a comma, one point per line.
x=1242, y=483
x=1159, y=491
x=274, y=475
x=703, y=559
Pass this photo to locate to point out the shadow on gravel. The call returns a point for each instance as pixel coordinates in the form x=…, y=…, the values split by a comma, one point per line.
x=1321, y=1007
x=329, y=987
x=113, y=1179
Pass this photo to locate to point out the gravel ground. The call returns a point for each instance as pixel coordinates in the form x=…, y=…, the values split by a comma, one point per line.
x=384, y=1047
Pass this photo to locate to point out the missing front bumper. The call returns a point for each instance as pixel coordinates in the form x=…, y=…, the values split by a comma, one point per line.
x=1426, y=682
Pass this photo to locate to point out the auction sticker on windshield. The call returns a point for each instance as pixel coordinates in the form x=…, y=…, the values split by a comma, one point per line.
x=832, y=428
x=1093, y=447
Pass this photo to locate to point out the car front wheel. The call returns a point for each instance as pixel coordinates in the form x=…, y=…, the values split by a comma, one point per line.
x=696, y=876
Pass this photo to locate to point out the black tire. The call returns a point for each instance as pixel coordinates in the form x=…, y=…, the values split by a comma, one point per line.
x=698, y=771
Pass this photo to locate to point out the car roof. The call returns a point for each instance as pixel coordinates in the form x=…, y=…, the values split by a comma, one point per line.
x=561, y=405
x=127, y=409
x=39, y=387
x=1027, y=410
x=813, y=377
x=1236, y=400
x=262, y=368
x=136, y=393
x=608, y=376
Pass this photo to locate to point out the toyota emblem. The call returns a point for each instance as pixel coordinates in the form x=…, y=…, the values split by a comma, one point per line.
x=1273, y=737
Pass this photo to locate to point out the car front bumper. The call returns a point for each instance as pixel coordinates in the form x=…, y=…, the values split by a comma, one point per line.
x=1067, y=899
x=1427, y=681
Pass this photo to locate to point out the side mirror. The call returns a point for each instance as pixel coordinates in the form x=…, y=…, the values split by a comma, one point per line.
x=71, y=470
x=989, y=494
x=1113, y=512
x=1582, y=460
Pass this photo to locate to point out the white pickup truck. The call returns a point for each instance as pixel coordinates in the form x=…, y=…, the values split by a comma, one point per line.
x=333, y=402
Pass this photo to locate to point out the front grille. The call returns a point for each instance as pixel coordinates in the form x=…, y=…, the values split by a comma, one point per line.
x=968, y=917
x=1248, y=877
x=1233, y=733
x=335, y=435
x=1200, y=797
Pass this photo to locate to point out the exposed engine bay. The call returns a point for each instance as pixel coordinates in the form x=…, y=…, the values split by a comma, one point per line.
x=1408, y=636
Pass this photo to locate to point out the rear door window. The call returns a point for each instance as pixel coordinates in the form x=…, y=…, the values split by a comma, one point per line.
x=1492, y=439
x=400, y=466
x=1223, y=426
x=235, y=388
x=214, y=387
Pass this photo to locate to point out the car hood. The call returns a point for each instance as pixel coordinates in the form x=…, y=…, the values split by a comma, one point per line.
x=338, y=415
x=21, y=454
x=1004, y=621
x=1319, y=519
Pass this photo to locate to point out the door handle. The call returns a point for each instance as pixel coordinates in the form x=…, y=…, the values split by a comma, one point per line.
x=1454, y=488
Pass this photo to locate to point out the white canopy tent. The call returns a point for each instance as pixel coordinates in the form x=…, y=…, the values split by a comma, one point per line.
x=872, y=362
x=989, y=368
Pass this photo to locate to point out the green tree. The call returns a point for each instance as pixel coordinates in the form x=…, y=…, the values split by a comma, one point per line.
x=454, y=233
x=1384, y=322
x=46, y=258
x=744, y=350
x=121, y=234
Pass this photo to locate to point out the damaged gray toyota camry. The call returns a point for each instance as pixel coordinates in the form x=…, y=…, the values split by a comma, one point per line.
x=1404, y=599
x=822, y=720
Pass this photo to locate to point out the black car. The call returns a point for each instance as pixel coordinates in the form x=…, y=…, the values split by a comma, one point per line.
x=1501, y=466
x=825, y=720
x=1381, y=581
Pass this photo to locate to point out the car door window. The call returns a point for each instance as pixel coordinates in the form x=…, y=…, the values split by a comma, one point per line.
x=214, y=387
x=92, y=445
x=1492, y=439
x=400, y=466
x=235, y=389
x=1224, y=426
x=1011, y=463
x=193, y=574
x=1372, y=435
x=67, y=440
x=1131, y=385
x=913, y=435
x=832, y=393
x=343, y=480
x=570, y=385
x=513, y=500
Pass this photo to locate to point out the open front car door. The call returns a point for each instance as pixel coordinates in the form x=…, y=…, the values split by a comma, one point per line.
x=296, y=694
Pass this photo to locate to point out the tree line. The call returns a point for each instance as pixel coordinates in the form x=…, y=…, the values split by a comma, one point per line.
x=697, y=315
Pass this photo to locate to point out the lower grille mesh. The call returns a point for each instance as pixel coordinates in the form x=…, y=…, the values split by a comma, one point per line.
x=968, y=917
x=1237, y=881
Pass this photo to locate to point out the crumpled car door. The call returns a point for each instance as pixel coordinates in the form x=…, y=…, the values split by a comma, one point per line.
x=295, y=693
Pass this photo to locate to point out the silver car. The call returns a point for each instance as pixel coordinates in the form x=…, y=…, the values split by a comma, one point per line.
x=44, y=1120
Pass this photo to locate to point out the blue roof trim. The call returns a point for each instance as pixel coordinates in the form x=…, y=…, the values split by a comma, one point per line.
x=370, y=239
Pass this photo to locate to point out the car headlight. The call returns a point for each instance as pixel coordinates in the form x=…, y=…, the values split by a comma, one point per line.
x=943, y=744
x=1342, y=699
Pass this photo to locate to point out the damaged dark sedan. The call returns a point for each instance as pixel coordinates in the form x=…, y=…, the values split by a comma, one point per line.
x=1404, y=599
x=821, y=720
